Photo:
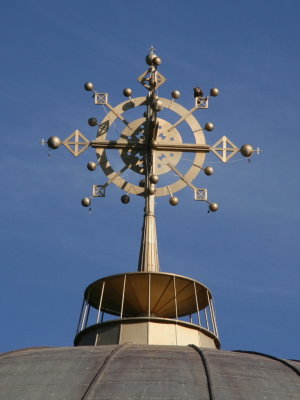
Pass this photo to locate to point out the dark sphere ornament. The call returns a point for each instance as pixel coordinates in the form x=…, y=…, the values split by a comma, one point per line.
x=173, y=200
x=54, y=142
x=209, y=126
x=154, y=178
x=125, y=199
x=208, y=171
x=156, y=61
x=86, y=202
x=198, y=92
x=92, y=166
x=214, y=92
x=175, y=94
x=149, y=58
x=92, y=121
x=127, y=92
x=247, y=150
x=213, y=207
x=88, y=86
x=142, y=183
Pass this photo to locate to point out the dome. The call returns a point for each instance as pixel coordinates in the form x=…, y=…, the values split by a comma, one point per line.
x=131, y=371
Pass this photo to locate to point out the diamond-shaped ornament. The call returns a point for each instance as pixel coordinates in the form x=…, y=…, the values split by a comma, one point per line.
x=145, y=78
x=101, y=98
x=76, y=143
x=200, y=194
x=224, y=149
x=99, y=190
x=201, y=102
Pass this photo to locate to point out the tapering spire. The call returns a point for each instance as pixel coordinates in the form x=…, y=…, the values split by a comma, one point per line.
x=149, y=260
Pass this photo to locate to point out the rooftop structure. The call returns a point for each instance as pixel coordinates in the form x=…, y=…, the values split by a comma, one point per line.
x=151, y=307
x=148, y=334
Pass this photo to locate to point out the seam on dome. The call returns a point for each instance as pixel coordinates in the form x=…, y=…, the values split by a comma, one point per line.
x=102, y=368
x=207, y=371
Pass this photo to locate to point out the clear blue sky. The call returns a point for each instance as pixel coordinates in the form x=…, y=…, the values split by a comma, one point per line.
x=51, y=248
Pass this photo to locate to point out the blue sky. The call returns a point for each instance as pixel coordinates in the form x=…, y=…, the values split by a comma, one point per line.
x=52, y=248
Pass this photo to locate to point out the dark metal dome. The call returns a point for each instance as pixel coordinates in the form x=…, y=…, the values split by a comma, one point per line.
x=145, y=372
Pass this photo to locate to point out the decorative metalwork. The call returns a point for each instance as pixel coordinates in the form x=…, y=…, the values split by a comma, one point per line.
x=76, y=143
x=146, y=77
x=224, y=149
x=101, y=98
x=151, y=149
x=201, y=102
x=99, y=190
x=200, y=194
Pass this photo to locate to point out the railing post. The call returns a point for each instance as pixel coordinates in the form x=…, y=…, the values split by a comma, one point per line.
x=100, y=301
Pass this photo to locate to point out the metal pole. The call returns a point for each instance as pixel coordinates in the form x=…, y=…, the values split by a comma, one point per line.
x=100, y=302
x=197, y=305
x=210, y=313
x=84, y=315
x=205, y=312
x=123, y=293
x=87, y=316
x=175, y=297
x=86, y=312
x=214, y=317
x=80, y=315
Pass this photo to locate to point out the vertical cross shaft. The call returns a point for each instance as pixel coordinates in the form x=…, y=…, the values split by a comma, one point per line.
x=149, y=260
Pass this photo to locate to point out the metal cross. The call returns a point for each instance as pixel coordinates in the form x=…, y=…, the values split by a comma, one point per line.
x=151, y=147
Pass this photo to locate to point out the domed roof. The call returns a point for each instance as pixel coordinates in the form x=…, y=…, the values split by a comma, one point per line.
x=134, y=372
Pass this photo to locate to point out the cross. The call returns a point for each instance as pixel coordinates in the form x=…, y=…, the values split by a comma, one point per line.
x=158, y=142
x=152, y=49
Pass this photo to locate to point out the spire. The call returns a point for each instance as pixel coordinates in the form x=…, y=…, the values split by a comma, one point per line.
x=149, y=260
x=151, y=306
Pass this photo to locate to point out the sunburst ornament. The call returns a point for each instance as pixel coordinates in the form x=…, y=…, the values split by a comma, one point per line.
x=154, y=158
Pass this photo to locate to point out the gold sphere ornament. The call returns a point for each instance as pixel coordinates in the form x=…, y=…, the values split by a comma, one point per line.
x=91, y=166
x=175, y=94
x=158, y=105
x=214, y=92
x=209, y=126
x=127, y=92
x=154, y=179
x=151, y=189
x=86, y=202
x=54, y=142
x=247, y=150
x=154, y=144
x=213, y=207
x=88, y=86
x=156, y=61
x=149, y=58
x=208, y=171
x=173, y=200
